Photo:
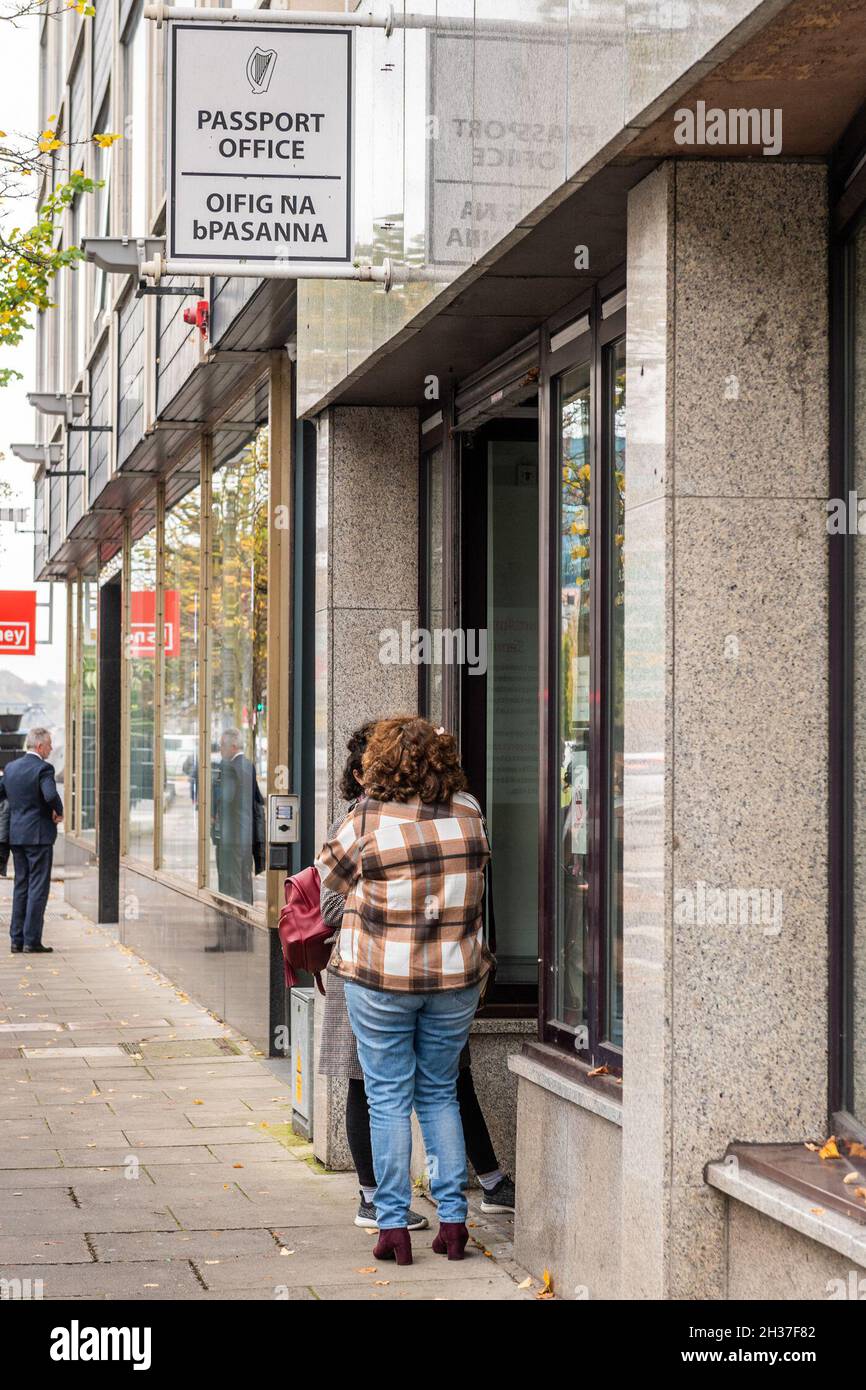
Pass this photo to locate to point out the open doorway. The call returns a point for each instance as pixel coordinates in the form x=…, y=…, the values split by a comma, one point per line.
x=498, y=697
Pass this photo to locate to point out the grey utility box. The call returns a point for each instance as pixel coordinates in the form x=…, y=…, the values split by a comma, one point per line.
x=302, y=1007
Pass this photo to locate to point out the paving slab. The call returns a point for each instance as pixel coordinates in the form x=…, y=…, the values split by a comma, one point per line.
x=66, y=1250
x=205, y=1247
x=228, y=1134
x=157, y=1280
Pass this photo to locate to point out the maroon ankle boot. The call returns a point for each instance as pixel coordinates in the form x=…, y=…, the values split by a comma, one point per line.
x=394, y=1244
x=451, y=1239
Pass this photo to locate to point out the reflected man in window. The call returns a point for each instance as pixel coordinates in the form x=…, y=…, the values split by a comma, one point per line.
x=237, y=820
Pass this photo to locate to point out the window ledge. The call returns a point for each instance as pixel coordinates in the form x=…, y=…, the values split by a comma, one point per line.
x=567, y=1078
x=790, y=1208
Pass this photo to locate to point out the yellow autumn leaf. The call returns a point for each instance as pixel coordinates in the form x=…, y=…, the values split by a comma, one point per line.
x=830, y=1149
x=105, y=140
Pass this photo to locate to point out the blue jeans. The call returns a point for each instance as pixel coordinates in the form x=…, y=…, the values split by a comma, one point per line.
x=409, y=1046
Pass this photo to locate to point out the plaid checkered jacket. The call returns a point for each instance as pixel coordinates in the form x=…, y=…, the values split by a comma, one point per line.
x=412, y=875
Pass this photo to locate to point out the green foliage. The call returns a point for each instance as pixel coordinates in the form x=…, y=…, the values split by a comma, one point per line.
x=29, y=261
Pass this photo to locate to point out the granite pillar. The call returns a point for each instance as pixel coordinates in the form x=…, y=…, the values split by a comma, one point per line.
x=366, y=582
x=725, y=859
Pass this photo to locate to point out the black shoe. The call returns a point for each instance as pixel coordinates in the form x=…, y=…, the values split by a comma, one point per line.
x=37, y=950
x=16, y=950
x=499, y=1198
x=367, y=1218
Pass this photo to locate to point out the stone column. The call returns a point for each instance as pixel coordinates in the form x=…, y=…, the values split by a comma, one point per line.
x=726, y=695
x=366, y=582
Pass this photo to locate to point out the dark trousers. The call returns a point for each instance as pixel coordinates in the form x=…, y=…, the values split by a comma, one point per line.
x=32, y=883
x=235, y=871
x=479, y=1148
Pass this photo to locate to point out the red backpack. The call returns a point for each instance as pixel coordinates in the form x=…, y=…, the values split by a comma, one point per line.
x=304, y=937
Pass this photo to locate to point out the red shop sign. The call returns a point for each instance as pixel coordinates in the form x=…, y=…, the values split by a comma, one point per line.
x=18, y=622
x=142, y=622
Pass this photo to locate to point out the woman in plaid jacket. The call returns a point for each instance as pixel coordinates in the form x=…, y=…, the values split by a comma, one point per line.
x=409, y=860
x=338, y=1057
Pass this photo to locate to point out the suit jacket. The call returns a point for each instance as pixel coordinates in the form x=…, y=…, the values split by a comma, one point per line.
x=29, y=787
x=237, y=809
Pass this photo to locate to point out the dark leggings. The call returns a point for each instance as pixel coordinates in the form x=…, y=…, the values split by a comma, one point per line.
x=479, y=1148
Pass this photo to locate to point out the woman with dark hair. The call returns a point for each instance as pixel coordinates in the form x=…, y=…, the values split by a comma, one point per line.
x=409, y=860
x=338, y=1056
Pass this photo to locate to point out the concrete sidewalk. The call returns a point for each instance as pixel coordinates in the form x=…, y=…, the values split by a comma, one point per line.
x=145, y=1151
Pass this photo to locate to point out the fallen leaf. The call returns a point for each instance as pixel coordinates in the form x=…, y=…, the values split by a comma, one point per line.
x=813, y=1148
x=817, y=1211
x=860, y=1192
x=853, y=1177
x=856, y=1150
x=830, y=1149
x=237, y=1165
x=527, y=1284
x=600, y=1071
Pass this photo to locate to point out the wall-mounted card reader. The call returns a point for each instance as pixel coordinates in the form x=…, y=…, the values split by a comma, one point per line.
x=283, y=817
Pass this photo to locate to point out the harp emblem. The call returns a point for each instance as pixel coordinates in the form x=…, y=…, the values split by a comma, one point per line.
x=260, y=67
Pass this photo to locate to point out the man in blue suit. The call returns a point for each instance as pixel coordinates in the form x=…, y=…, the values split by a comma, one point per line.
x=35, y=810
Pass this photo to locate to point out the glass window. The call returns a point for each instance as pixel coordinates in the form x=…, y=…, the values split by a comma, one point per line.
x=135, y=126
x=570, y=933
x=101, y=207
x=87, y=809
x=141, y=646
x=181, y=676
x=509, y=648
x=77, y=300
x=855, y=1022
x=434, y=579
x=586, y=999
x=238, y=664
x=615, y=480
x=70, y=763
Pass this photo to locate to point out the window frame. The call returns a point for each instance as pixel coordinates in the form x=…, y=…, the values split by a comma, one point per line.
x=848, y=221
x=591, y=345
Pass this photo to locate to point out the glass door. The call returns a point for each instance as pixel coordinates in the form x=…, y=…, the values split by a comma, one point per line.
x=499, y=681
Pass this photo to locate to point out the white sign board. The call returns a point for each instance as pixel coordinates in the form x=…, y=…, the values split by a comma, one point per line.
x=259, y=143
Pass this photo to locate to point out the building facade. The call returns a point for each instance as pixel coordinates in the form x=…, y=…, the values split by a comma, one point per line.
x=567, y=487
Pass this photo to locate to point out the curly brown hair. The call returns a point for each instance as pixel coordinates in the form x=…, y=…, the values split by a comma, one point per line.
x=406, y=757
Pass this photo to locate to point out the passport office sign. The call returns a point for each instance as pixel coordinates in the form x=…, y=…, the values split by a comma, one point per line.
x=259, y=143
